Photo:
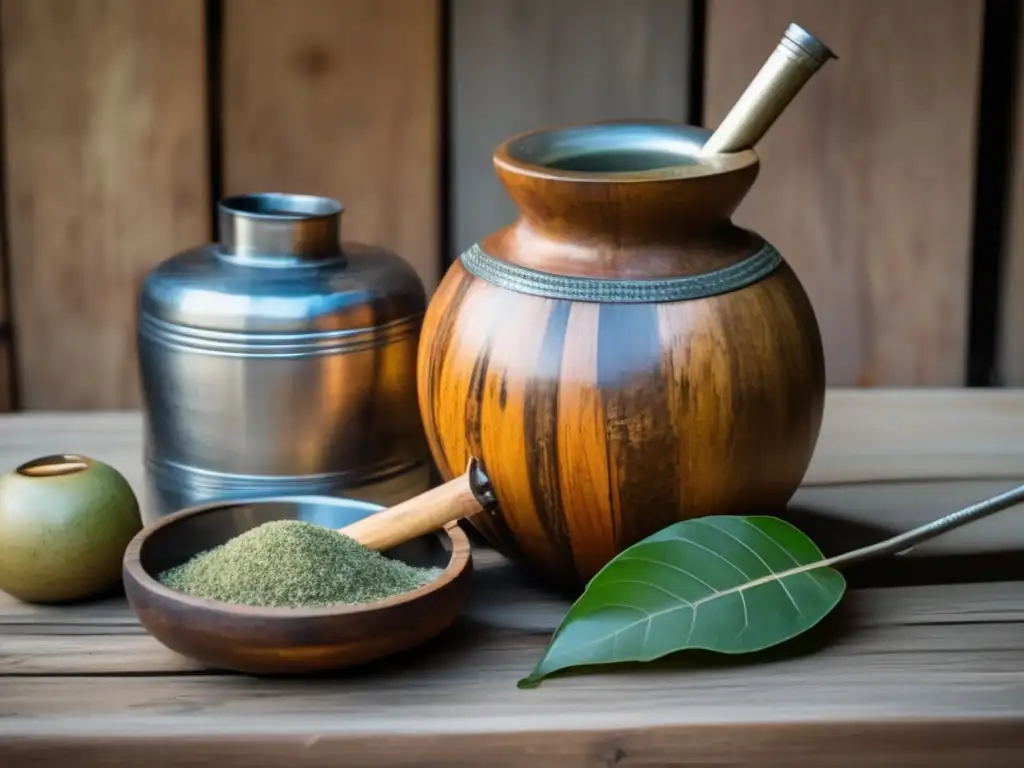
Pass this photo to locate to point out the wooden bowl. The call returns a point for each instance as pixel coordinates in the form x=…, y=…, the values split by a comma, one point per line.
x=258, y=640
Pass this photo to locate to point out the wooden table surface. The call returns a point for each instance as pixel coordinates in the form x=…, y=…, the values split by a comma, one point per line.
x=929, y=674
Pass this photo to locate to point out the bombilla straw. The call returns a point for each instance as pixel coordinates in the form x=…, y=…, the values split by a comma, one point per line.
x=798, y=55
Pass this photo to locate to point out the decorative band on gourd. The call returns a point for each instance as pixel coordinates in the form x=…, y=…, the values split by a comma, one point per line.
x=750, y=270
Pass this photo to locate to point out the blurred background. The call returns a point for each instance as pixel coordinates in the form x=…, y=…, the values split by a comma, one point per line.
x=893, y=183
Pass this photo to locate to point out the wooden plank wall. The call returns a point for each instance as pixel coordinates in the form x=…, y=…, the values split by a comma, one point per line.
x=394, y=107
x=6, y=351
x=342, y=100
x=519, y=65
x=106, y=175
x=1011, y=329
x=6, y=331
x=852, y=190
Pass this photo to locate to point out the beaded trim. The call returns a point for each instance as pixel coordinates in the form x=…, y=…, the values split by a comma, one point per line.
x=524, y=280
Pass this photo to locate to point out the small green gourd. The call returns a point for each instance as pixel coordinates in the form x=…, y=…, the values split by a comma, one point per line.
x=65, y=521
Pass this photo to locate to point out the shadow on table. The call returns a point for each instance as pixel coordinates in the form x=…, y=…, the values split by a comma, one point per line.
x=470, y=642
x=835, y=535
x=508, y=607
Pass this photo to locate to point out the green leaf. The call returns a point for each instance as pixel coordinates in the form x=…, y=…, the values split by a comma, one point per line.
x=725, y=584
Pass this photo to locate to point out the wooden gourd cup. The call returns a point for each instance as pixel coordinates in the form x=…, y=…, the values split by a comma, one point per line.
x=623, y=356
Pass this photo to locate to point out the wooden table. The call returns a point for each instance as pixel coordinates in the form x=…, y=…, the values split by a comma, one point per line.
x=931, y=674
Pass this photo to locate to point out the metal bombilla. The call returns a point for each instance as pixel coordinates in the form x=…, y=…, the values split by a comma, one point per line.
x=798, y=55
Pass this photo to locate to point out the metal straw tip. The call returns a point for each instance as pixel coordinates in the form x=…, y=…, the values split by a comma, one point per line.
x=808, y=43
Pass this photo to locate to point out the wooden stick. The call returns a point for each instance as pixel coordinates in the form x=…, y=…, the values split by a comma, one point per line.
x=414, y=517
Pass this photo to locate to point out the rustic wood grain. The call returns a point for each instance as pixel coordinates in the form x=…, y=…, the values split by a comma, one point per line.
x=106, y=176
x=885, y=460
x=946, y=744
x=340, y=99
x=6, y=373
x=831, y=675
x=114, y=437
x=522, y=64
x=909, y=676
x=867, y=178
x=885, y=661
x=105, y=638
x=4, y=312
x=6, y=332
x=1010, y=351
x=501, y=599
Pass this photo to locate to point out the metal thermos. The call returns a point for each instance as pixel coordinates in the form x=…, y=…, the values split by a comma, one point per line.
x=281, y=361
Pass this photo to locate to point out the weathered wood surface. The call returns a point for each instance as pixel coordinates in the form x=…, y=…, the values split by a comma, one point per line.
x=867, y=179
x=6, y=352
x=1010, y=364
x=885, y=460
x=341, y=99
x=928, y=675
x=942, y=656
x=522, y=64
x=106, y=173
x=6, y=373
x=6, y=330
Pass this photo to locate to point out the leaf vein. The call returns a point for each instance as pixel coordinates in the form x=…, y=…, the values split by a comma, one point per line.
x=814, y=576
x=781, y=548
x=771, y=571
x=689, y=632
x=723, y=559
x=671, y=594
x=667, y=565
x=649, y=617
x=627, y=607
x=746, y=616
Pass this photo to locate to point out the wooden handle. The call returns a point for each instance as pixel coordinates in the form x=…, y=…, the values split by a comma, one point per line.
x=797, y=56
x=414, y=517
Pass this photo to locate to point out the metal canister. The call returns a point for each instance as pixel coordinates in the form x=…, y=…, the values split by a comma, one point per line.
x=281, y=361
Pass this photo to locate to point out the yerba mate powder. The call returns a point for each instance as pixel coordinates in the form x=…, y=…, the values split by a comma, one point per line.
x=289, y=563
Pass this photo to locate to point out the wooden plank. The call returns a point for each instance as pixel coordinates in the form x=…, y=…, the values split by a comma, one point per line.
x=861, y=672
x=920, y=676
x=866, y=436
x=118, y=654
x=106, y=176
x=503, y=597
x=886, y=461
x=917, y=434
x=866, y=181
x=6, y=369
x=113, y=437
x=948, y=743
x=340, y=99
x=881, y=660
x=522, y=64
x=6, y=374
x=6, y=350
x=1010, y=351
x=104, y=637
